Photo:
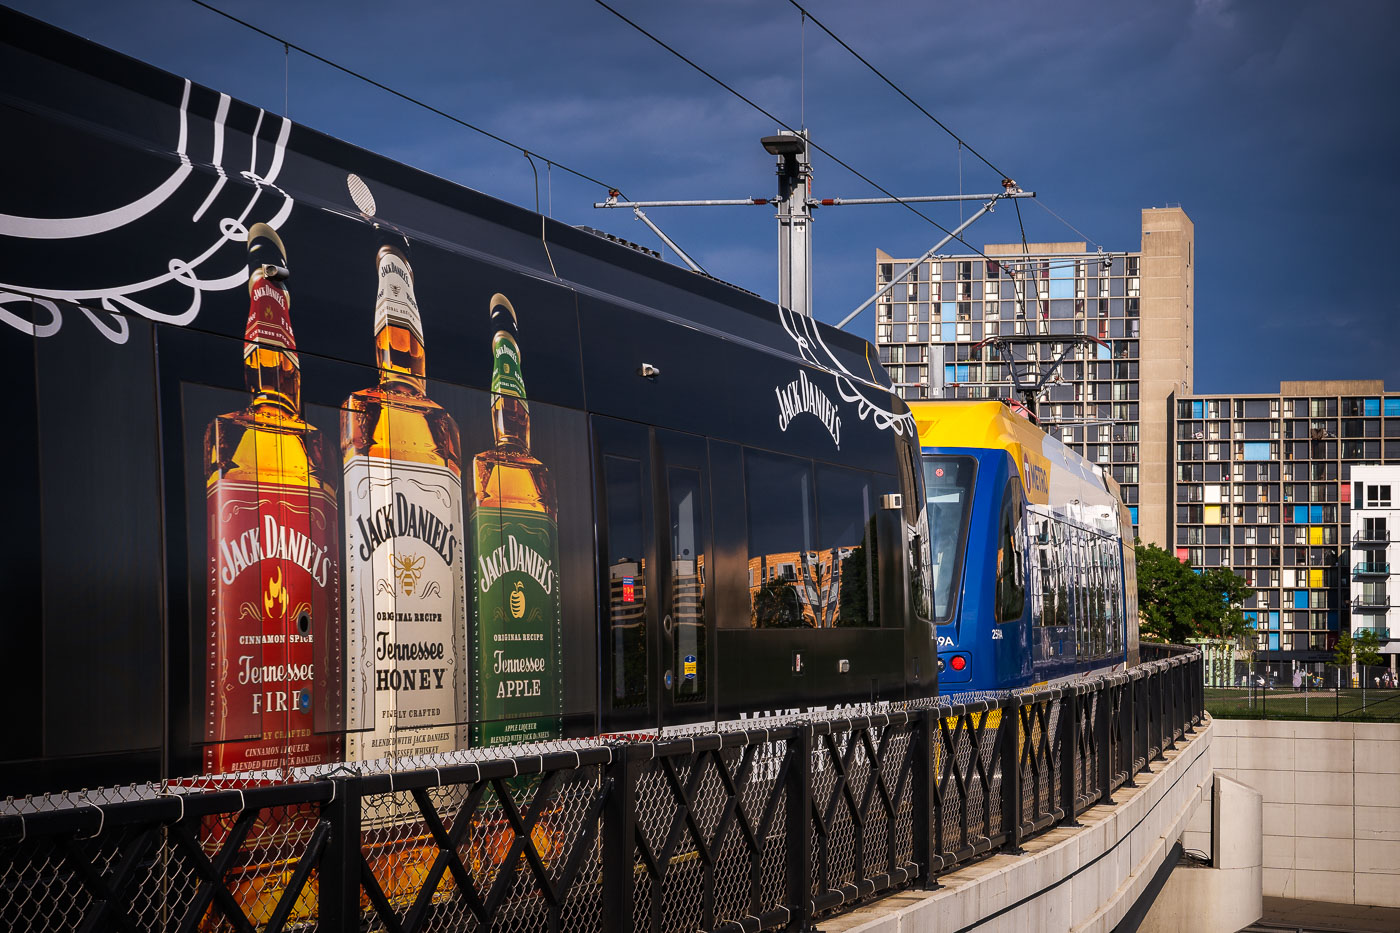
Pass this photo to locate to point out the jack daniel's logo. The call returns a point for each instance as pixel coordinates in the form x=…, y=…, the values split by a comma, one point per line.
x=272, y=541
x=800, y=397
x=405, y=519
x=516, y=555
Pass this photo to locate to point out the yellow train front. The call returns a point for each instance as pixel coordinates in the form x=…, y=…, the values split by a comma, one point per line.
x=1033, y=577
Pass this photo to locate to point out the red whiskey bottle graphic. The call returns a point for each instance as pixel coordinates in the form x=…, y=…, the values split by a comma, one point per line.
x=272, y=645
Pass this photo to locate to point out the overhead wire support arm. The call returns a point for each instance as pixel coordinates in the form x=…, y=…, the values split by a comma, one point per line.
x=694, y=266
x=732, y=202
x=1011, y=192
x=838, y=202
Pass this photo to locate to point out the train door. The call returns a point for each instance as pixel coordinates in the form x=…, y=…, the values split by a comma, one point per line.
x=655, y=626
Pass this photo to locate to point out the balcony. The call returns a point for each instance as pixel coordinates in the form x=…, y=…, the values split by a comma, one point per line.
x=1381, y=633
x=1381, y=536
x=1365, y=603
x=1371, y=569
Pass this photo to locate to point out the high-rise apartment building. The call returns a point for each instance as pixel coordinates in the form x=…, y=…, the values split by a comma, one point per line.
x=1108, y=402
x=1375, y=548
x=1266, y=483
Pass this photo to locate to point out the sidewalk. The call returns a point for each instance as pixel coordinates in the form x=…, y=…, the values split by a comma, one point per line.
x=1287, y=913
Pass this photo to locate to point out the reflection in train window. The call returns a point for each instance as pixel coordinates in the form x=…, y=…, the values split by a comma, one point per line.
x=948, y=488
x=782, y=535
x=687, y=584
x=844, y=590
x=781, y=538
x=626, y=581
x=1011, y=585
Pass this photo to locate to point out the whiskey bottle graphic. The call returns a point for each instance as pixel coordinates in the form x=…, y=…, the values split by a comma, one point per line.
x=516, y=694
x=274, y=586
x=406, y=577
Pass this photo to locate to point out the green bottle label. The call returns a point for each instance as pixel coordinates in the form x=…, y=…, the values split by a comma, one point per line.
x=506, y=375
x=517, y=694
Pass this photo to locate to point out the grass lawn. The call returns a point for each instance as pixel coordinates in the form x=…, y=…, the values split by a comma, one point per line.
x=1348, y=704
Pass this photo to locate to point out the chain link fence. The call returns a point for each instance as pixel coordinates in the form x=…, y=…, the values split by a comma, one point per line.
x=1289, y=690
x=756, y=827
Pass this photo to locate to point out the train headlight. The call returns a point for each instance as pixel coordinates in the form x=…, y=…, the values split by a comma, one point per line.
x=958, y=662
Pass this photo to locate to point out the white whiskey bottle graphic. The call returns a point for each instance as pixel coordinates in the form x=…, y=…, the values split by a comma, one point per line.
x=406, y=610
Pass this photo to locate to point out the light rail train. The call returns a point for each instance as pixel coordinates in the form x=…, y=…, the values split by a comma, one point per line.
x=1033, y=579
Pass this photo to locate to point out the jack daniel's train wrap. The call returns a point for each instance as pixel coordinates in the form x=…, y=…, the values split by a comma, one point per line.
x=251, y=532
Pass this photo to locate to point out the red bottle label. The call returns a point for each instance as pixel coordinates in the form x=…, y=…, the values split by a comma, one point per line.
x=274, y=611
x=269, y=323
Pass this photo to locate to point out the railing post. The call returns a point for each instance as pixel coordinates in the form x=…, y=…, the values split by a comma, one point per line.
x=1127, y=730
x=798, y=829
x=1009, y=741
x=1102, y=742
x=925, y=816
x=338, y=884
x=1157, y=697
x=619, y=842
x=1069, y=751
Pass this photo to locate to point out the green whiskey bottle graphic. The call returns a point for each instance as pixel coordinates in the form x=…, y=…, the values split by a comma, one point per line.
x=516, y=692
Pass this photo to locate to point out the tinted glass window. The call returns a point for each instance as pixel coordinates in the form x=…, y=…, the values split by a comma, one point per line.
x=782, y=540
x=948, y=489
x=1011, y=582
x=846, y=583
x=688, y=572
x=626, y=581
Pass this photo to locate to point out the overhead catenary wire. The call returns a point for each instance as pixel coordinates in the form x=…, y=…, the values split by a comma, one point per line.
x=962, y=143
x=897, y=89
x=1071, y=226
x=785, y=125
x=529, y=155
x=401, y=95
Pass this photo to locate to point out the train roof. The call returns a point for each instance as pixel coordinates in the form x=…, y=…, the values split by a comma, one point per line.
x=1053, y=475
x=52, y=74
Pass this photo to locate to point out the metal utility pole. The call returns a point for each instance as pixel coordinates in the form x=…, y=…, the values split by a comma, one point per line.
x=794, y=220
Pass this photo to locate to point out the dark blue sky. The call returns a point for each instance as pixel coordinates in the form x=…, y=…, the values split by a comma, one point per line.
x=1274, y=123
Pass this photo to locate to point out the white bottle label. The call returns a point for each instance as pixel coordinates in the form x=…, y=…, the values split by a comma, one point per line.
x=395, y=302
x=405, y=609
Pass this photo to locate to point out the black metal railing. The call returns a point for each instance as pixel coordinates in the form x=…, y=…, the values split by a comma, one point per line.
x=748, y=829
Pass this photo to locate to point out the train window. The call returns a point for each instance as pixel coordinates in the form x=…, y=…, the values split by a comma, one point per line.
x=1011, y=580
x=948, y=489
x=785, y=571
x=687, y=584
x=850, y=585
x=627, y=581
x=918, y=559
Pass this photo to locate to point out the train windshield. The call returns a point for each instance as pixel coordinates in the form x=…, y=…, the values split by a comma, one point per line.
x=948, y=485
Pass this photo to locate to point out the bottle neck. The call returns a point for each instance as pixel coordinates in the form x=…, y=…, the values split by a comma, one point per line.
x=271, y=368
x=510, y=422
x=274, y=381
x=401, y=359
x=510, y=412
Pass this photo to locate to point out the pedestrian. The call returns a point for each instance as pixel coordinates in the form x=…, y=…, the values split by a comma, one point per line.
x=1297, y=680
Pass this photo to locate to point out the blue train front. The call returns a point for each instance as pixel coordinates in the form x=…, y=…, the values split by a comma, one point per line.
x=1031, y=548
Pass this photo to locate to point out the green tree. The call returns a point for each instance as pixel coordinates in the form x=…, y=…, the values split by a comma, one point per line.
x=1226, y=620
x=777, y=605
x=1167, y=595
x=1361, y=648
x=1176, y=603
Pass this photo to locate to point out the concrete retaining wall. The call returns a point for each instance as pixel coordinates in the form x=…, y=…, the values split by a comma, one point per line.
x=1331, y=805
x=1083, y=878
